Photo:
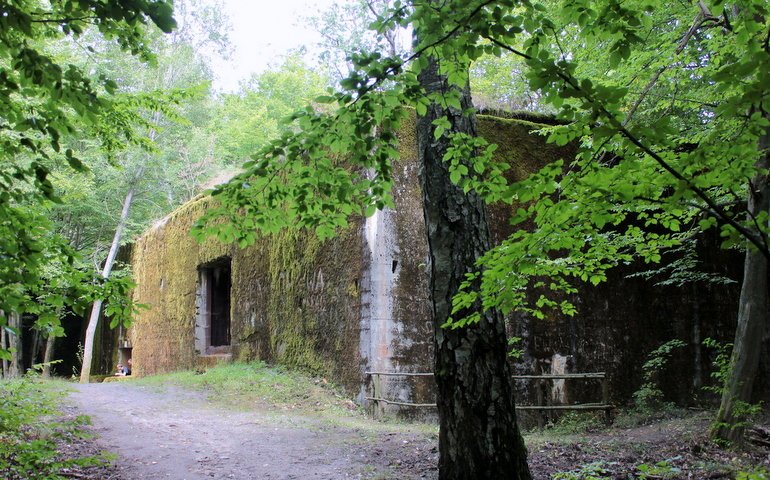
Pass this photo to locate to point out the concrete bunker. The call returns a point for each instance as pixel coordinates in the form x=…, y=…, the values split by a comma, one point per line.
x=359, y=303
x=212, y=328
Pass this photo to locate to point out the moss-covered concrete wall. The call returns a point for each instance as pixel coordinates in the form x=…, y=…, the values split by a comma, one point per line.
x=165, y=264
x=298, y=301
x=359, y=302
x=294, y=299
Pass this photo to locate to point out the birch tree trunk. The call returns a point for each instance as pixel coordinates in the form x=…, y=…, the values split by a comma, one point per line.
x=96, y=310
x=753, y=316
x=16, y=367
x=4, y=346
x=479, y=437
x=48, y=356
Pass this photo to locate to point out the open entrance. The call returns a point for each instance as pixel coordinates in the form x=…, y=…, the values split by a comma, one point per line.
x=124, y=358
x=213, y=328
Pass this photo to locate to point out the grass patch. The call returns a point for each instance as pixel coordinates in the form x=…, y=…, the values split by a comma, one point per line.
x=576, y=423
x=247, y=384
x=282, y=390
x=31, y=432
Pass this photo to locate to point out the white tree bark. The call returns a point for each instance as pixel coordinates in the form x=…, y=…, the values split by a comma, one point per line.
x=48, y=356
x=16, y=368
x=96, y=310
x=4, y=346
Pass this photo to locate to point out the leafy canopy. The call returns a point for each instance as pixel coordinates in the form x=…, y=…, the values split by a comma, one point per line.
x=44, y=101
x=667, y=121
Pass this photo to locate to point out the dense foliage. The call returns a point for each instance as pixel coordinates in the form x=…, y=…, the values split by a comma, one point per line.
x=668, y=123
x=31, y=434
x=46, y=100
x=246, y=120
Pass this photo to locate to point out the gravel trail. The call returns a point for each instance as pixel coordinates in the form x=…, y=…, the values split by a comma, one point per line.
x=179, y=434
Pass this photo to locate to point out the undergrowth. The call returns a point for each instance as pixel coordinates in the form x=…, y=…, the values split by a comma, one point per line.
x=650, y=397
x=635, y=417
x=31, y=430
x=572, y=423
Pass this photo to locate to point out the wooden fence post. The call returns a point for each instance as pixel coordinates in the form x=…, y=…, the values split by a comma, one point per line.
x=377, y=391
x=606, y=400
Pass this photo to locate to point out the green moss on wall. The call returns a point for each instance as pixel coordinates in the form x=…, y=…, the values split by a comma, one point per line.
x=411, y=307
x=293, y=258
x=165, y=262
x=525, y=150
x=296, y=300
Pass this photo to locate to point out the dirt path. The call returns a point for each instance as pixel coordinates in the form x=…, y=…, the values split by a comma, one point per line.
x=178, y=434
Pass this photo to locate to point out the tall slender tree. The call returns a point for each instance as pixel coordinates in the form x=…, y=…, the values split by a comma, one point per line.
x=179, y=75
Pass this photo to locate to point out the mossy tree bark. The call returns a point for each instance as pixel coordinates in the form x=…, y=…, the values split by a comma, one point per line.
x=479, y=437
x=753, y=315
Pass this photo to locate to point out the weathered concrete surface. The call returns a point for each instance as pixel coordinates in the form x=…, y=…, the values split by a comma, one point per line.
x=359, y=302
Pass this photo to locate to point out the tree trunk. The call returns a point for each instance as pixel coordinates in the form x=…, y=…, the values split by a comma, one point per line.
x=4, y=346
x=34, y=351
x=16, y=368
x=48, y=356
x=697, y=346
x=753, y=315
x=479, y=437
x=93, y=320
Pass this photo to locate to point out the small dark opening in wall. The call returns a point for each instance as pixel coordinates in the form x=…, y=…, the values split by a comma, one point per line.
x=124, y=355
x=216, y=283
x=220, y=306
x=124, y=358
x=393, y=267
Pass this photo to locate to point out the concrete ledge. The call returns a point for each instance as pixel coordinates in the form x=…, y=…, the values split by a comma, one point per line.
x=208, y=361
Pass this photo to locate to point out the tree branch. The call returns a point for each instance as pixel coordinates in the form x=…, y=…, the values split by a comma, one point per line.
x=757, y=241
x=394, y=69
x=700, y=18
x=643, y=94
x=64, y=20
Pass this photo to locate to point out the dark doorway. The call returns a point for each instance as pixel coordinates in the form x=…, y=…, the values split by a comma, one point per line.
x=215, y=283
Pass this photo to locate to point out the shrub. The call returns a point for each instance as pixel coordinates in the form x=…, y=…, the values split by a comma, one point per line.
x=649, y=396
